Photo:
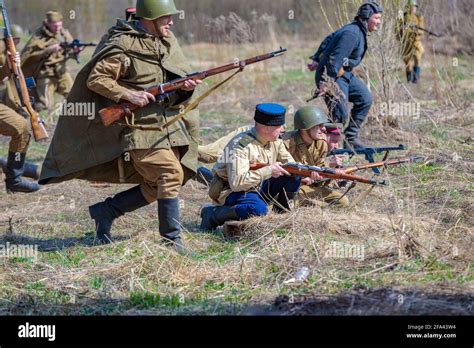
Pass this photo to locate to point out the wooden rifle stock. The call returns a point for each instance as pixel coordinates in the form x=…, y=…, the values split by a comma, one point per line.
x=114, y=113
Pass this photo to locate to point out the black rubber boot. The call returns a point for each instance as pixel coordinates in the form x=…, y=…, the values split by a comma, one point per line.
x=168, y=218
x=410, y=76
x=14, y=170
x=213, y=217
x=104, y=213
x=30, y=170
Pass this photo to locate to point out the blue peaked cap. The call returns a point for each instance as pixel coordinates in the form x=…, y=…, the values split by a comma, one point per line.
x=270, y=114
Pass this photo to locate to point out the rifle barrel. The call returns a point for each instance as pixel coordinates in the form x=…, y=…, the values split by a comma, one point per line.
x=111, y=114
x=392, y=162
x=305, y=170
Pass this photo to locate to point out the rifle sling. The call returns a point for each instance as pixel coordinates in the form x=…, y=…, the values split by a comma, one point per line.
x=188, y=108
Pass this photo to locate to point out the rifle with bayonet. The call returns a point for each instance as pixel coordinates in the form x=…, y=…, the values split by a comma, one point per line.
x=76, y=45
x=37, y=125
x=368, y=152
x=329, y=173
x=114, y=113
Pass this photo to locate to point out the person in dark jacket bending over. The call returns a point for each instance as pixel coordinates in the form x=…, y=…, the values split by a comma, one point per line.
x=337, y=56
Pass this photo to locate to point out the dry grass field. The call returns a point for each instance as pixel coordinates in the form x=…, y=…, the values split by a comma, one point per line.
x=401, y=249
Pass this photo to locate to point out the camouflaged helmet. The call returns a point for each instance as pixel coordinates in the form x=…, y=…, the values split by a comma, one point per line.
x=309, y=116
x=153, y=9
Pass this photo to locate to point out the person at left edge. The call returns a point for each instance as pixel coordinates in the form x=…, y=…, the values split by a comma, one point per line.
x=15, y=126
x=138, y=54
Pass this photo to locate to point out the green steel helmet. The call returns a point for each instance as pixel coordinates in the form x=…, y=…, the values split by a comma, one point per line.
x=412, y=3
x=153, y=9
x=309, y=116
x=17, y=31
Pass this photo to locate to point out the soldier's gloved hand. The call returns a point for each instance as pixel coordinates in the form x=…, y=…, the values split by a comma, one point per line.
x=53, y=49
x=140, y=98
x=190, y=85
x=278, y=170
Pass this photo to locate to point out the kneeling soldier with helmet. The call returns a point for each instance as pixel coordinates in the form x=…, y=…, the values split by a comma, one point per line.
x=241, y=193
x=308, y=145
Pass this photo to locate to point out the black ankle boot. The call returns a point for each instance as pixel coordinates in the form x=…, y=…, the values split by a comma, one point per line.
x=14, y=170
x=213, y=217
x=104, y=213
x=30, y=170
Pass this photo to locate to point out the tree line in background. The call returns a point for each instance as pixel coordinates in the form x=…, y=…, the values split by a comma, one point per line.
x=238, y=21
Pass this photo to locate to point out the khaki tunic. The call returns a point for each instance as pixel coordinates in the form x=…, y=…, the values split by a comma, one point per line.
x=233, y=166
x=313, y=155
x=37, y=62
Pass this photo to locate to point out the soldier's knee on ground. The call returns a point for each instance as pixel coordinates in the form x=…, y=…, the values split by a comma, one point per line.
x=335, y=198
x=342, y=202
x=255, y=208
x=325, y=195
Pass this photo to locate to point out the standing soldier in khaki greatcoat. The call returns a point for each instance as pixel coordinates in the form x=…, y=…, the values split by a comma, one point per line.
x=138, y=54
